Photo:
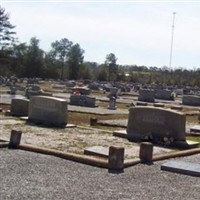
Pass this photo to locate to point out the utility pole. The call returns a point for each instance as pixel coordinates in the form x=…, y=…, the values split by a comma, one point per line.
x=172, y=40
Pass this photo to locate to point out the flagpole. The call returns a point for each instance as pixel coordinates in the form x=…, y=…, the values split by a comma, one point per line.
x=172, y=40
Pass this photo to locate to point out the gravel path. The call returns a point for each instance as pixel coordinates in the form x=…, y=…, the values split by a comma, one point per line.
x=26, y=175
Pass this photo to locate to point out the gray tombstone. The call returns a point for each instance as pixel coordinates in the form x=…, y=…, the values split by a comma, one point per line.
x=113, y=92
x=146, y=95
x=179, y=91
x=82, y=100
x=164, y=95
x=19, y=107
x=191, y=100
x=48, y=110
x=34, y=90
x=112, y=104
x=147, y=122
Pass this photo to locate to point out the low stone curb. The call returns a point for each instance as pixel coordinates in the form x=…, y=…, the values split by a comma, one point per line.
x=182, y=153
x=189, y=152
x=69, y=156
x=4, y=144
x=103, y=163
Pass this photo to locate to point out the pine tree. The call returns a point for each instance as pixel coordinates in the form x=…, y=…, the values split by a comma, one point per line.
x=6, y=33
x=7, y=39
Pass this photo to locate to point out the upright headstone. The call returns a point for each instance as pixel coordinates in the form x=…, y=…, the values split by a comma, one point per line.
x=156, y=123
x=82, y=100
x=48, y=110
x=34, y=90
x=112, y=104
x=164, y=95
x=19, y=107
x=191, y=100
x=146, y=95
x=113, y=92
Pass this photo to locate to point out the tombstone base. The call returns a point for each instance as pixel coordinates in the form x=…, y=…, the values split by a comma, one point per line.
x=186, y=144
x=120, y=133
x=112, y=108
x=139, y=103
x=70, y=126
x=195, y=129
x=133, y=136
x=47, y=124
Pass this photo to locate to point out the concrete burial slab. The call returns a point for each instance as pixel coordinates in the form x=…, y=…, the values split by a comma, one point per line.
x=129, y=152
x=182, y=167
x=195, y=128
x=97, y=151
x=103, y=152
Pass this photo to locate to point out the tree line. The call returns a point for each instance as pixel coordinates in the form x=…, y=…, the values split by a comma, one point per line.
x=65, y=60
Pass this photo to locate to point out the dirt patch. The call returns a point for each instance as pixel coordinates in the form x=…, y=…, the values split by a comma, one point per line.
x=74, y=139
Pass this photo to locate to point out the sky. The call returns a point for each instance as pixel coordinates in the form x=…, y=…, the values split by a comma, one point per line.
x=137, y=32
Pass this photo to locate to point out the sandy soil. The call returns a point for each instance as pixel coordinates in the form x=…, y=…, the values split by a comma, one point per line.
x=68, y=139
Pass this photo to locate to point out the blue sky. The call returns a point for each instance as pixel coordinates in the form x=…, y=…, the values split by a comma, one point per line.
x=137, y=32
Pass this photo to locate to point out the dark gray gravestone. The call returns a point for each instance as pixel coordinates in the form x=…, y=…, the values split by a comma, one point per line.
x=181, y=167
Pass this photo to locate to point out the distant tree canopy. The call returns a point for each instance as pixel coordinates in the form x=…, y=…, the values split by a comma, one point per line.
x=75, y=60
x=59, y=52
x=65, y=60
x=112, y=66
x=69, y=56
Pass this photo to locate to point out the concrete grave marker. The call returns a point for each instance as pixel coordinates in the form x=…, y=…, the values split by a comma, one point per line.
x=191, y=100
x=113, y=92
x=19, y=107
x=146, y=95
x=164, y=95
x=150, y=122
x=112, y=104
x=182, y=167
x=48, y=110
x=82, y=100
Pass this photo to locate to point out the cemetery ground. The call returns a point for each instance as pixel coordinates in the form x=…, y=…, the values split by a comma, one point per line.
x=76, y=139
x=73, y=139
x=27, y=175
